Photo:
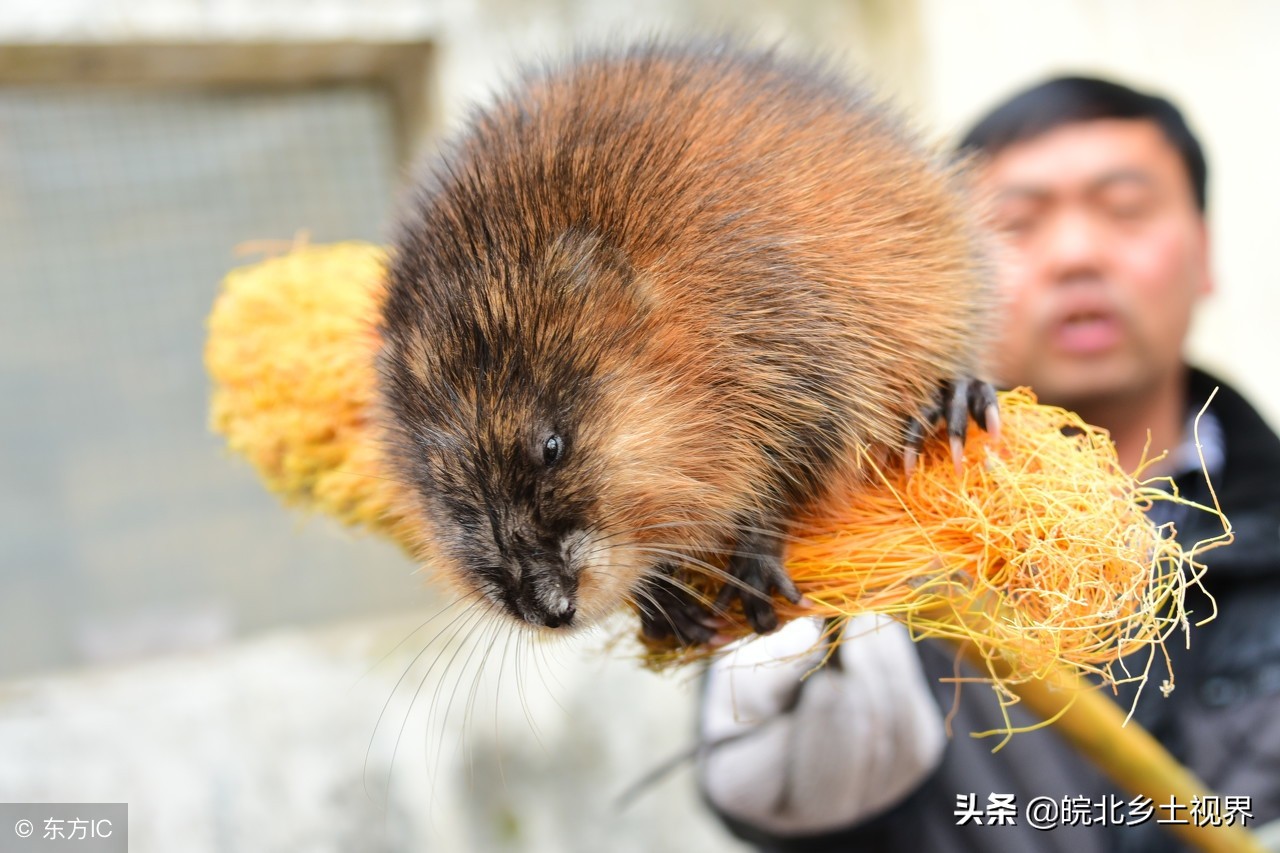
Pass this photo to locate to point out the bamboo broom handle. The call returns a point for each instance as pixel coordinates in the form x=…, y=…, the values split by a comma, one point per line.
x=1127, y=753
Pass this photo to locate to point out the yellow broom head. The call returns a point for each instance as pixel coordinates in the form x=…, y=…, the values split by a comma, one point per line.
x=291, y=350
x=1038, y=550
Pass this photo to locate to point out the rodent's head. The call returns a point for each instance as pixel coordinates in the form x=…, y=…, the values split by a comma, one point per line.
x=545, y=457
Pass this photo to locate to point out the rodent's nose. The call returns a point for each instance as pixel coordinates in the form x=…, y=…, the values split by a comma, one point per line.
x=548, y=595
x=565, y=615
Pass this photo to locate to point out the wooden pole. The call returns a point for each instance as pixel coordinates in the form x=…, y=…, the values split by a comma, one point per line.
x=1127, y=753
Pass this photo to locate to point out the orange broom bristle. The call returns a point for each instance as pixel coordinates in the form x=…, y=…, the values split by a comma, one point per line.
x=1038, y=551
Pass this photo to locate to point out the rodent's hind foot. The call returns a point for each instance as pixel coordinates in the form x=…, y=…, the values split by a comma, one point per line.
x=955, y=401
x=670, y=611
x=755, y=574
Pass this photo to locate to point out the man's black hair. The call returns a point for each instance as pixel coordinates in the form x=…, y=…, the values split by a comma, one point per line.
x=1070, y=100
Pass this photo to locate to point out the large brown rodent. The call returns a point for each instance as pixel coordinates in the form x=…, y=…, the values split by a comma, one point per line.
x=647, y=308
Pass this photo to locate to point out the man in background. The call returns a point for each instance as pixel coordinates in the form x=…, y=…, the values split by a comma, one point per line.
x=1101, y=252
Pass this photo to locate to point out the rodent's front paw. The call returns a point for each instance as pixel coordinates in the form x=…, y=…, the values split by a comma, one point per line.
x=955, y=401
x=755, y=574
x=670, y=610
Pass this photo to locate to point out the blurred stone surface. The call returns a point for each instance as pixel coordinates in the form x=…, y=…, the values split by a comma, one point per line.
x=307, y=741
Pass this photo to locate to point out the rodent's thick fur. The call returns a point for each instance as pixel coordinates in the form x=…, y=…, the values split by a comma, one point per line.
x=714, y=272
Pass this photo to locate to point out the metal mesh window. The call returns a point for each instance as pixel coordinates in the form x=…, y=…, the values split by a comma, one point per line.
x=125, y=527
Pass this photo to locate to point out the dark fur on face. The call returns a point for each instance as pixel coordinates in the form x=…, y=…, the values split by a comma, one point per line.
x=493, y=388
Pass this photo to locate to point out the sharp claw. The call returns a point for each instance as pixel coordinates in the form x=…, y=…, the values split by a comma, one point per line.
x=982, y=402
x=787, y=588
x=991, y=416
x=956, y=402
x=791, y=592
x=957, y=453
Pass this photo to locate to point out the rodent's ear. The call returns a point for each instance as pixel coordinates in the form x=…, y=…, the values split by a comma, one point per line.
x=581, y=262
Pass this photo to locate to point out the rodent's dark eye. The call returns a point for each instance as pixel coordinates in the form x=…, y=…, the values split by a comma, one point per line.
x=552, y=450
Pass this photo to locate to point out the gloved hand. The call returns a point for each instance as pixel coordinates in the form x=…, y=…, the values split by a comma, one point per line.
x=837, y=748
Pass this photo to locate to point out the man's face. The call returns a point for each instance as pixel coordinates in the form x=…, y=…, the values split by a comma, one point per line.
x=1100, y=256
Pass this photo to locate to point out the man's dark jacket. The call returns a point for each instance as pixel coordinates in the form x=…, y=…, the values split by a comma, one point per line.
x=1222, y=720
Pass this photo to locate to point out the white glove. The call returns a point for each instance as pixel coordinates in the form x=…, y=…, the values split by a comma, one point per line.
x=860, y=738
